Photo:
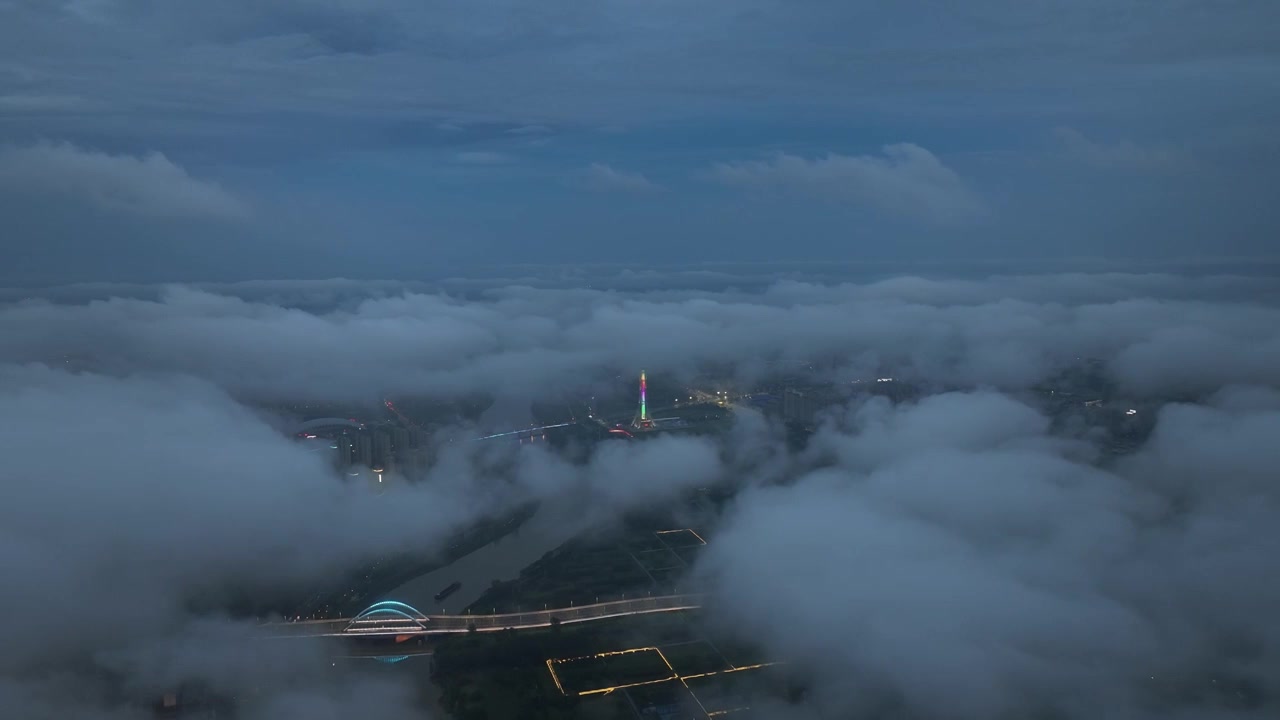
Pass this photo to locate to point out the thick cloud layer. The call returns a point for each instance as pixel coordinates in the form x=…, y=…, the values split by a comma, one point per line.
x=1156, y=334
x=949, y=559
x=130, y=501
x=952, y=557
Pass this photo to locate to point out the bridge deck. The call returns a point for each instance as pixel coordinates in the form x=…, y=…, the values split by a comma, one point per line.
x=446, y=624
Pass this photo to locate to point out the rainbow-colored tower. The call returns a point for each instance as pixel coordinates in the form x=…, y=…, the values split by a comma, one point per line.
x=642, y=417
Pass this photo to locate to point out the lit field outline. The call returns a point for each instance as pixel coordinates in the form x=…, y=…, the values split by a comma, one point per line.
x=660, y=533
x=683, y=679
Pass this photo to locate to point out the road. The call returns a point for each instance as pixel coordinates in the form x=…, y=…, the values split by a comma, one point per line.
x=428, y=625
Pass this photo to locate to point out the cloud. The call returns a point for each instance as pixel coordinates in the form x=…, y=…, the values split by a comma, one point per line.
x=952, y=559
x=149, y=185
x=603, y=177
x=955, y=556
x=907, y=180
x=161, y=499
x=168, y=495
x=1153, y=334
x=480, y=157
x=268, y=90
x=40, y=103
x=1124, y=155
x=530, y=130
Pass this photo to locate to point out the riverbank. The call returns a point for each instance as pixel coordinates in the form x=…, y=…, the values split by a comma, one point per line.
x=361, y=588
x=500, y=560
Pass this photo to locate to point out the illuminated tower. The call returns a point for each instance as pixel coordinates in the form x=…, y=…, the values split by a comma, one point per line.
x=642, y=417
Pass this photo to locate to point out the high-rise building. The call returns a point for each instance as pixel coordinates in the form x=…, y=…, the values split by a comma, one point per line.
x=417, y=437
x=401, y=442
x=362, y=453
x=382, y=455
x=345, y=451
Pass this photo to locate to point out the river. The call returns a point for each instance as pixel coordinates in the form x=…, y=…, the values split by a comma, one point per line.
x=502, y=559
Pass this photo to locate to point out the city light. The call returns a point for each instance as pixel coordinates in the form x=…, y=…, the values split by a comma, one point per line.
x=673, y=676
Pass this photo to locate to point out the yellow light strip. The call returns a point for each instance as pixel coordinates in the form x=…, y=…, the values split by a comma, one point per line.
x=726, y=672
x=674, y=675
x=551, y=667
x=552, y=663
x=610, y=653
x=608, y=690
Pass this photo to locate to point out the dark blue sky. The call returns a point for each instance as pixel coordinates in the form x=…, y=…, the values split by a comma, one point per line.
x=185, y=140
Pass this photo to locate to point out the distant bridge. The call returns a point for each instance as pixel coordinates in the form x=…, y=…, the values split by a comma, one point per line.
x=397, y=620
x=531, y=431
x=326, y=424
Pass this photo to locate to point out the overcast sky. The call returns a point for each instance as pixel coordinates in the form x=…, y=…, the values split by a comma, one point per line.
x=189, y=140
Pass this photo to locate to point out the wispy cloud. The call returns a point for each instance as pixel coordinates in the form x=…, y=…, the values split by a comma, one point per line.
x=149, y=185
x=905, y=180
x=1122, y=155
x=606, y=178
x=40, y=103
x=481, y=157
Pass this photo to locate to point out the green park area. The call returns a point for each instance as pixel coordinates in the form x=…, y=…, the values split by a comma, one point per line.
x=646, y=557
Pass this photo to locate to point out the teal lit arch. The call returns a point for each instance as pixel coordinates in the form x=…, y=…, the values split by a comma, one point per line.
x=397, y=615
x=387, y=607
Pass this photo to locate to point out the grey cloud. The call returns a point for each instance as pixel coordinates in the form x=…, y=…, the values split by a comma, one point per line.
x=530, y=130
x=907, y=180
x=950, y=556
x=161, y=493
x=603, y=177
x=166, y=492
x=481, y=157
x=1009, y=333
x=952, y=560
x=265, y=89
x=39, y=103
x=621, y=477
x=149, y=185
x=1124, y=155
x=329, y=26
x=656, y=61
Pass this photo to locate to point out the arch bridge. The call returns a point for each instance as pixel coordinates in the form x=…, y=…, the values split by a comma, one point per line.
x=388, y=618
